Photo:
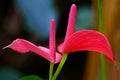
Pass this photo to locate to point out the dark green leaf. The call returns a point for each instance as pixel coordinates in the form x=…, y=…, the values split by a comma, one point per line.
x=31, y=77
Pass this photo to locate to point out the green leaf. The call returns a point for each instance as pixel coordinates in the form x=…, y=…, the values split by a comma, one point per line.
x=31, y=77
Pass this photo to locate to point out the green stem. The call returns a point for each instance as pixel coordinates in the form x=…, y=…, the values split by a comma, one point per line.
x=51, y=70
x=60, y=66
x=100, y=15
x=101, y=30
x=103, y=67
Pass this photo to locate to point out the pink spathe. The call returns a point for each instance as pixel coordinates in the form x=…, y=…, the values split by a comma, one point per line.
x=24, y=46
x=84, y=40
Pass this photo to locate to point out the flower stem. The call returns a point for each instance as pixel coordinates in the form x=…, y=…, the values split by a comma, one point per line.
x=100, y=15
x=60, y=66
x=103, y=67
x=101, y=30
x=51, y=70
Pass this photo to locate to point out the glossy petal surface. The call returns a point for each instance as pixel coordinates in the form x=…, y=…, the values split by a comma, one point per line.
x=87, y=40
x=23, y=46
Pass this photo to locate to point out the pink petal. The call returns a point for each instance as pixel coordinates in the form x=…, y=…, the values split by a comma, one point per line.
x=87, y=40
x=52, y=42
x=58, y=56
x=71, y=21
x=23, y=46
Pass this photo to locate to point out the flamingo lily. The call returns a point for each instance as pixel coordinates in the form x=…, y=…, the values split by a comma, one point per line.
x=24, y=46
x=88, y=40
x=83, y=40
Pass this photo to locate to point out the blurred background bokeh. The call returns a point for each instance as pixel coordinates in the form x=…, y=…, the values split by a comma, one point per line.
x=30, y=20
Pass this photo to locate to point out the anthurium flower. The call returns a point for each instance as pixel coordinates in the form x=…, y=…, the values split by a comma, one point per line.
x=84, y=39
x=24, y=46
